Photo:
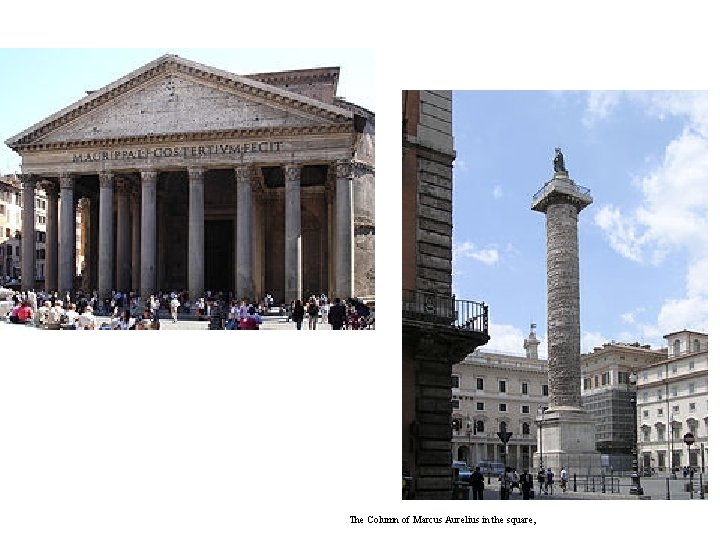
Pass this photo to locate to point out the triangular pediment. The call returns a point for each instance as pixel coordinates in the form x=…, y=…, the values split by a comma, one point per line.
x=172, y=96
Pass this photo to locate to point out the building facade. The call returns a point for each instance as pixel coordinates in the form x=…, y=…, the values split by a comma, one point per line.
x=607, y=394
x=438, y=331
x=190, y=177
x=492, y=390
x=673, y=401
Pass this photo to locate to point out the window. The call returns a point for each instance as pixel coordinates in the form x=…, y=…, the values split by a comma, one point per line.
x=502, y=426
x=479, y=426
x=646, y=435
x=526, y=428
x=526, y=409
x=692, y=406
x=674, y=369
x=587, y=383
x=480, y=383
x=660, y=374
x=502, y=387
x=676, y=431
x=659, y=412
x=660, y=432
x=597, y=381
x=456, y=424
x=691, y=388
x=479, y=406
x=646, y=414
x=674, y=391
x=525, y=388
x=696, y=345
x=455, y=403
x=41, y=220
x=676, y=347
x=2, y=209
x=659, y=395
x=645, y=396
x=545, y=390
x=502, y=407
x=454, y=381
x=605, y=378
x=691, y=365
x=676, y=408
x=623, y=377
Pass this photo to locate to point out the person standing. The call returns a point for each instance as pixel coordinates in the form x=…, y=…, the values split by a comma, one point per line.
x=526, y=484
x=313, y=311
x=174, y=305
x=298, y=313
x=563, y=479
x=541, y=481
x=549, y=476
x=336, y=316
x=477, y=481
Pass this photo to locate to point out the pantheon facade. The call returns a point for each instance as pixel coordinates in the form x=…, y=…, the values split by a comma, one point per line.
x=189, y=177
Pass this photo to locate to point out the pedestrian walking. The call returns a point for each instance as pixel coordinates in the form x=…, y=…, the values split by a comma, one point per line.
x=313, y=311
x=477, y=481
x=526, y=485
x=298, y=314
x=174, y=305
x=563, y=479
x=336, y=315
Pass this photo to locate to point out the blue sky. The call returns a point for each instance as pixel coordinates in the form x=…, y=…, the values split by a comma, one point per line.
x=643, y=241
x=39, y=82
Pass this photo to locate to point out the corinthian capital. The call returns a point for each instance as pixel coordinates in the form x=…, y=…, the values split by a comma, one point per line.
x=106, y=180
x=148, y=177
x=67, y=181
x=343, y=168
x=243, y=173
x=196, y=174
x=292, y=172
x=27, y=180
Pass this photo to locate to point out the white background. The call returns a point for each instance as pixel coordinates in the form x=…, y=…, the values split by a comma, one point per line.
x=226, y=436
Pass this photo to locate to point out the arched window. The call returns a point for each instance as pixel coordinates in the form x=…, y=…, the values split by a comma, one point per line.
x=526, y=428
x=676, y=347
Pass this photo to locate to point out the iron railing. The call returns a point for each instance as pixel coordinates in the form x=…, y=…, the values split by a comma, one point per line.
x=446, y=310
x=570, y=188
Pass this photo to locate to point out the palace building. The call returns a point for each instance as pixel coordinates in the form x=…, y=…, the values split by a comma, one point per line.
x=189, y=177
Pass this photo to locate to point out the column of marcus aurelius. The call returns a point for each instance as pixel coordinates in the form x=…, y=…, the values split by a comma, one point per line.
x=568, y=433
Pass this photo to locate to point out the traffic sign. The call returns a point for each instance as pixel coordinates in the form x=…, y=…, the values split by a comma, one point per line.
x=689, y=438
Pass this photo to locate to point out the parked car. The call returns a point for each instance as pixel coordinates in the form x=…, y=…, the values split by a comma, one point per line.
x=491, y=468
x=463, y=471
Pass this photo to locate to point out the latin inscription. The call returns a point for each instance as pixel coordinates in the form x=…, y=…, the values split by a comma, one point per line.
x=179, y=152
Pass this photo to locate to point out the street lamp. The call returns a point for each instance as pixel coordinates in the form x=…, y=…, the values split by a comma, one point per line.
x=636, y=488
x=541, y=413
x=504, y=436
x=672, y=447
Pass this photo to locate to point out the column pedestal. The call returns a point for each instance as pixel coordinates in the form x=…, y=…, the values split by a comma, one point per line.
x=568, y=440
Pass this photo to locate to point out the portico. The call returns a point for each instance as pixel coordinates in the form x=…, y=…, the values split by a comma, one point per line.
x=193, y=178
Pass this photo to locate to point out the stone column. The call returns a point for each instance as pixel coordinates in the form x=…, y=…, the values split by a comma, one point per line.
x=27, y=255
x=293, y=234
x=122, y=263
x=135, y=241
x=105, y=250
x=196, y=233
x=148, y=224
x=243, y=233
x=51, y=245
x=93, y=228
x=343, y=233
x=66, y=253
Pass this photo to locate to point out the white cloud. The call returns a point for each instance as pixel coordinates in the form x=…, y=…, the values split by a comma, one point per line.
x=628, y=318
x=487, y=256
x=497, y=192
x=508, y=339
x=590, y=340
x=599, y=106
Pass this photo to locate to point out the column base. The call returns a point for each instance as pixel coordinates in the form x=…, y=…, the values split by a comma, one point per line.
x=568, y=440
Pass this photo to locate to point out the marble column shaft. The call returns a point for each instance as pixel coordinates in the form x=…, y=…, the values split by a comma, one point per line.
x=243, y=233
x=293, y=234
x=105, y=251
x=66, y=252
x=136, y=242
x=343, y=233
x=149, y=227
x=122, y=262
x=51, y=244
x=27, y=250
x=196, y=233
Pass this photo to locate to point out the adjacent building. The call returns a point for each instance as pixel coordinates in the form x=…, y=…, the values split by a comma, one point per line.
x=672, y=402
x=491, y=391
x=190, y=177
x=607, y=394
x=438, y=330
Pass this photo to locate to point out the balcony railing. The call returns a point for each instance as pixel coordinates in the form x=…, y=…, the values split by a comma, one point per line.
x=445, y=310
x=566, y=187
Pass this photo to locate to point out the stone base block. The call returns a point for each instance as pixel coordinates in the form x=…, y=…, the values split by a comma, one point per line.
x=568, y=440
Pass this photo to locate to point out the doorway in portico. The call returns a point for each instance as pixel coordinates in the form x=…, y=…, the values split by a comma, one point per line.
x=219, y=254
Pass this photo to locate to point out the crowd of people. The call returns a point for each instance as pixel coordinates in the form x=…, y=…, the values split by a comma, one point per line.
x=128, y=311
